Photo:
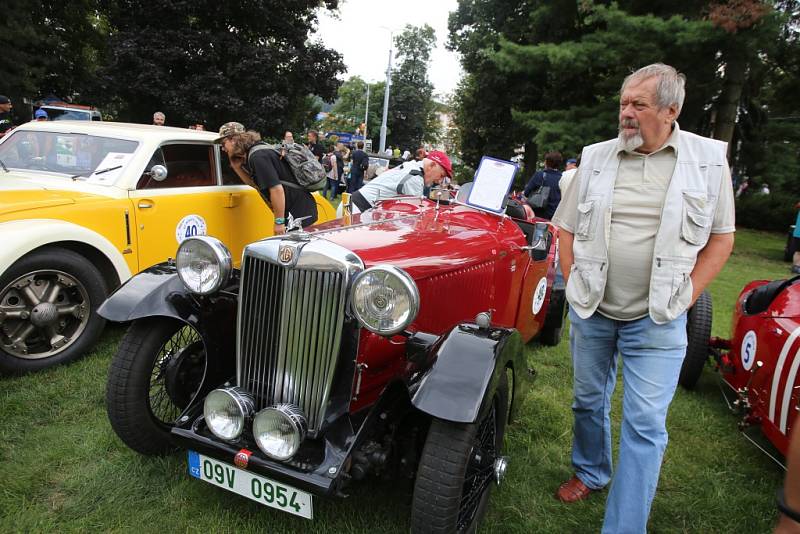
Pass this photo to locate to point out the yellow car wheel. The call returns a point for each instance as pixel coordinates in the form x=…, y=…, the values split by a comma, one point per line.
x=48, y=302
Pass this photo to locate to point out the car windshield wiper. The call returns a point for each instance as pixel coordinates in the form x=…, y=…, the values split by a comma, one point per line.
x=109, y=169
x=4, y=166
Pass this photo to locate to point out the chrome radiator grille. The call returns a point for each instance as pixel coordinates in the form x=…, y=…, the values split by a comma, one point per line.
x=289, y=334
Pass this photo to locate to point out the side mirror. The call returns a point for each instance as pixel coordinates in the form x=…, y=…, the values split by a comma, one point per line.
x=540, y=244
x=158, y=173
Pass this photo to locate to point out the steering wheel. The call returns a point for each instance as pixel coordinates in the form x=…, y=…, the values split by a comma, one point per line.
x=38, y=162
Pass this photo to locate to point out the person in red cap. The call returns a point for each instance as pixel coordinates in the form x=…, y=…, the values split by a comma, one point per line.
x=409, y=179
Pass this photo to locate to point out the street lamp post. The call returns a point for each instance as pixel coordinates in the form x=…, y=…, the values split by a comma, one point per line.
x=366, y=114
x=386, y=97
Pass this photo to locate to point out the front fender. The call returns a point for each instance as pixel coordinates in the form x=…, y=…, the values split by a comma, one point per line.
x=468, y=363
x=155, y=291
x=159, y=292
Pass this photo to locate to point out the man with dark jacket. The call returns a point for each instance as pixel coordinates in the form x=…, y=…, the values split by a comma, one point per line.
x=548, y=177
x=359, y=162
x=263, y=168
x=5, y=115
x=315, y=146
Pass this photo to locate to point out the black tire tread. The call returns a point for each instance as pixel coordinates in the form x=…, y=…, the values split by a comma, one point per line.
x=550, y=336
x=129, y=416
x=698, y=332
x=440, y=475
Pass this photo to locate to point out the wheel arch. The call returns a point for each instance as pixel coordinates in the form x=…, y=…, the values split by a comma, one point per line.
x=467, y=367
x=107, y=269
x=23, y=237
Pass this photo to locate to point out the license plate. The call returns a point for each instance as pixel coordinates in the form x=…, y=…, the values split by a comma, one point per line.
x=254, y=487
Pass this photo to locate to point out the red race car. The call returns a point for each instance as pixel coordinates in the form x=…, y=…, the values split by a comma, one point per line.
x=385, y=344
x=759, y=363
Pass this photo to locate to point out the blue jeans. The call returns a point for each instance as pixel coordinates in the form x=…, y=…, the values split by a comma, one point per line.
x=333, y=185
x=355, y=183
x=652, y=356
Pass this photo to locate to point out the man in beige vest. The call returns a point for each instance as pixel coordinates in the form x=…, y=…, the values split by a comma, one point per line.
x=645, y=225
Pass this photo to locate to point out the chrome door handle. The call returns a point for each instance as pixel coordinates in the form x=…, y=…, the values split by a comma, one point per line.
x=145, y=205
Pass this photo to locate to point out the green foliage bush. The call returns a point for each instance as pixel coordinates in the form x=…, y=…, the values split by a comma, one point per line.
x=463, y=173
x=773, y=212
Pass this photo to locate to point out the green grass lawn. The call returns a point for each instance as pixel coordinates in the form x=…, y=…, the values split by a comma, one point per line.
x=64, y=470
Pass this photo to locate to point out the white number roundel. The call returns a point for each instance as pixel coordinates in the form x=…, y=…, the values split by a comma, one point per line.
x=190, y=226
x=538, y=296
x=748, y=352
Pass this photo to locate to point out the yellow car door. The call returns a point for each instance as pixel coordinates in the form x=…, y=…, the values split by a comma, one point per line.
x=249, y=218
x=188, y=202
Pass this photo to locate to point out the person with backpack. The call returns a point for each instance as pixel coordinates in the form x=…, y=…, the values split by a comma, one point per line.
x=359, y=163
x=329, y=162
x=545, y=182
x=269, y=170
x=410, y=178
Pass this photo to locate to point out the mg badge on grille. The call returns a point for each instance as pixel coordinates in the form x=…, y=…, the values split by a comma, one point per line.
x=286, y=254
x=242, y=458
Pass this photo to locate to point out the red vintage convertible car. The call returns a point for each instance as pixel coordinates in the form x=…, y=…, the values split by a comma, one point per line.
x=389, y=343
x=759, y=363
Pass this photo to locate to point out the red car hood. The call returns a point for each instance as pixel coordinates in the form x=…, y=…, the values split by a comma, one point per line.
x=421, y=240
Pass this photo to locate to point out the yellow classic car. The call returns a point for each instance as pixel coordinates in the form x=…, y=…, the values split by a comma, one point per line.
x=83, y=206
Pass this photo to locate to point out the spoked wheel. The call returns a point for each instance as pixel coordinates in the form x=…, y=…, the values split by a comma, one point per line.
x=154, y=375
x=48, y=303
x=457, y=469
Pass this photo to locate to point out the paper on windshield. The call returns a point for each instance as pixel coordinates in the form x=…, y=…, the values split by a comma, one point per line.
x=492, y=183
x=112, y=159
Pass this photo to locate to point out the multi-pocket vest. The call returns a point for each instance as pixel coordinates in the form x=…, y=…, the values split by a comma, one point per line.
x=686, y=219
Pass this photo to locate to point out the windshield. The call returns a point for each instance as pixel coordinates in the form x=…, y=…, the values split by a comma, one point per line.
x=67, y=114
x=72, y=154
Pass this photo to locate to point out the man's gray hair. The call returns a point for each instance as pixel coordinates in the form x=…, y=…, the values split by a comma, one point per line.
x=159, y=114
x=671, y=88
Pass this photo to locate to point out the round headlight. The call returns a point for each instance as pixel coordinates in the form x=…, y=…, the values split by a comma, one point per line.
x=279, y=430
x=204, y=264
x=385, y=299
x=226, y=411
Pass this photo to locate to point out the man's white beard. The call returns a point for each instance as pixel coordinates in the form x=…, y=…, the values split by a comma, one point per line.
x=632, y=142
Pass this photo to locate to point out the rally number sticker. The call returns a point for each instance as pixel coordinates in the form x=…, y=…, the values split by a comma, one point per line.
x=748, y=353
x=538, y=295
x=190, y=226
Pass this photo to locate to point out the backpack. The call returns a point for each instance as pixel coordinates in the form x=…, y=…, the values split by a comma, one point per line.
x=306, y=168
x=326, y=163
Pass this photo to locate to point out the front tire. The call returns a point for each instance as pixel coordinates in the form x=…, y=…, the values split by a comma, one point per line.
x=157, y=369
x=698, y=332
x=48, y=310
x=456, y=470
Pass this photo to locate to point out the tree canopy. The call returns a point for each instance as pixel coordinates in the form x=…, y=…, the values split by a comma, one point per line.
x=412, y=114
x=347, y=113
x=546, y=75
x=207, y=61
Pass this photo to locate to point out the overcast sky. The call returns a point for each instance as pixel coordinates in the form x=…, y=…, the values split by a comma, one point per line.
x=356, y=33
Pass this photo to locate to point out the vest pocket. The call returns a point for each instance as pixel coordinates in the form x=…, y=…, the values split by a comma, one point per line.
x=670, y=288
x=586, y=282
x=585, y=229
x=681, y=292
x=696, y=224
